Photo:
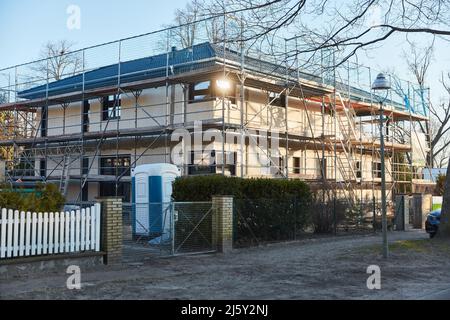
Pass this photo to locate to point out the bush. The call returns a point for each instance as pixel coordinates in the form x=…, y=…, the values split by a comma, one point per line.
x=265, y=209
x=325, y=214
x=202, y=188
x=11, y=199
x=45, y=198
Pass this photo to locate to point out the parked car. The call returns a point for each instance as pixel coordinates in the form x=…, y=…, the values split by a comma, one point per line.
x=432, y=223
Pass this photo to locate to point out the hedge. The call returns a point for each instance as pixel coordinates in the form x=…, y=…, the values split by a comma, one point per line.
x=265, y=209
x=202, y=188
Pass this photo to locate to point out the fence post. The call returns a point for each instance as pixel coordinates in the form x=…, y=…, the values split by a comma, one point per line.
x=223, y=212
x=111, y=229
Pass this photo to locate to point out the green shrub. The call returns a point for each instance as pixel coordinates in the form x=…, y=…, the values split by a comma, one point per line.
x=202, y=188
x=265, y=209
x=11, y=199
x=45, y=198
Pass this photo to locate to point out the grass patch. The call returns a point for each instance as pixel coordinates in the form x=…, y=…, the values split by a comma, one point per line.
x=412, y=246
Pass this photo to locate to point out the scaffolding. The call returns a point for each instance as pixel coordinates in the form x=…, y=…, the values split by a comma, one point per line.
x=323, y=118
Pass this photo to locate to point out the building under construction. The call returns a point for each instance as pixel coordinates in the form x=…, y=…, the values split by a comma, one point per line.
x=147, y=99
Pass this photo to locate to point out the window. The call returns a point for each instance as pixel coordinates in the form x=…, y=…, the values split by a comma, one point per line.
x=86, y=113
x=358, y=170
x=43, y=168
x=112, y=107
x=226, y=88
x=297, y=165
x=231, y=163
x=44, y=121
x=329, y=110
x=112, y=166
x=208, y=90
x=277, y=100
x=281, y=165
x=200, y=91
x=85, y=193
x=86, y=165
x=323, y=168
x=25, y=167
x=213, y=162
x=108, y=189
x=277, y=165
x=376, y=168
x=202, y=164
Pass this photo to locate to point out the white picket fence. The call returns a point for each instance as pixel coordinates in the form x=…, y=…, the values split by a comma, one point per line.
x=25, y=234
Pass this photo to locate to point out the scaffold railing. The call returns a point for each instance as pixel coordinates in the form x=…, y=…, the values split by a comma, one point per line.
x=344, y=115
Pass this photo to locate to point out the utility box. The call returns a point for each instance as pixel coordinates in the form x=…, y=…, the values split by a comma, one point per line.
x=402, y=219
x=421, y=205
x=152, y=196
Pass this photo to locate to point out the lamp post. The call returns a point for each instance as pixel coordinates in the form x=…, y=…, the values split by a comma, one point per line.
x=383, y=84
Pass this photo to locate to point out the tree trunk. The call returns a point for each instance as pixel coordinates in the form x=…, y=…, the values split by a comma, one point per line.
x=444, y=228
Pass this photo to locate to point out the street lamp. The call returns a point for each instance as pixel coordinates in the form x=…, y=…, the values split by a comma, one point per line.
x=381, y=83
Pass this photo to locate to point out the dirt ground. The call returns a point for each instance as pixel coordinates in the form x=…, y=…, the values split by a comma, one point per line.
x=326, y=268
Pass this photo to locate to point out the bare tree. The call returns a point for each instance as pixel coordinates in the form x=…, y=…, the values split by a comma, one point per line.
x=419, y=60
x=442, y=160
x=186, y=17
x=347, y=27
x=57, y=61
x=441, y=124
x=199, y=22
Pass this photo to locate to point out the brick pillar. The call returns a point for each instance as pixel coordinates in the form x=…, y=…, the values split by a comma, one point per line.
x=223, y=214
x=112, y=229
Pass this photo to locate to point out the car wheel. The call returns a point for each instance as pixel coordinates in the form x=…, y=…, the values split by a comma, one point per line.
x=432, y=235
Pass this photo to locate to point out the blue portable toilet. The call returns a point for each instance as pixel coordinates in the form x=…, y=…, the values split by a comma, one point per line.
x=152, y=196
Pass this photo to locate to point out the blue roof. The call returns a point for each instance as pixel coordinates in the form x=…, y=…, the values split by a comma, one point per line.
x=146, y=68
x=180, y=61
x=183, y=60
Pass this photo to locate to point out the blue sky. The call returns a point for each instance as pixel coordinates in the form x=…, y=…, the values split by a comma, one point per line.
x=26, y=25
